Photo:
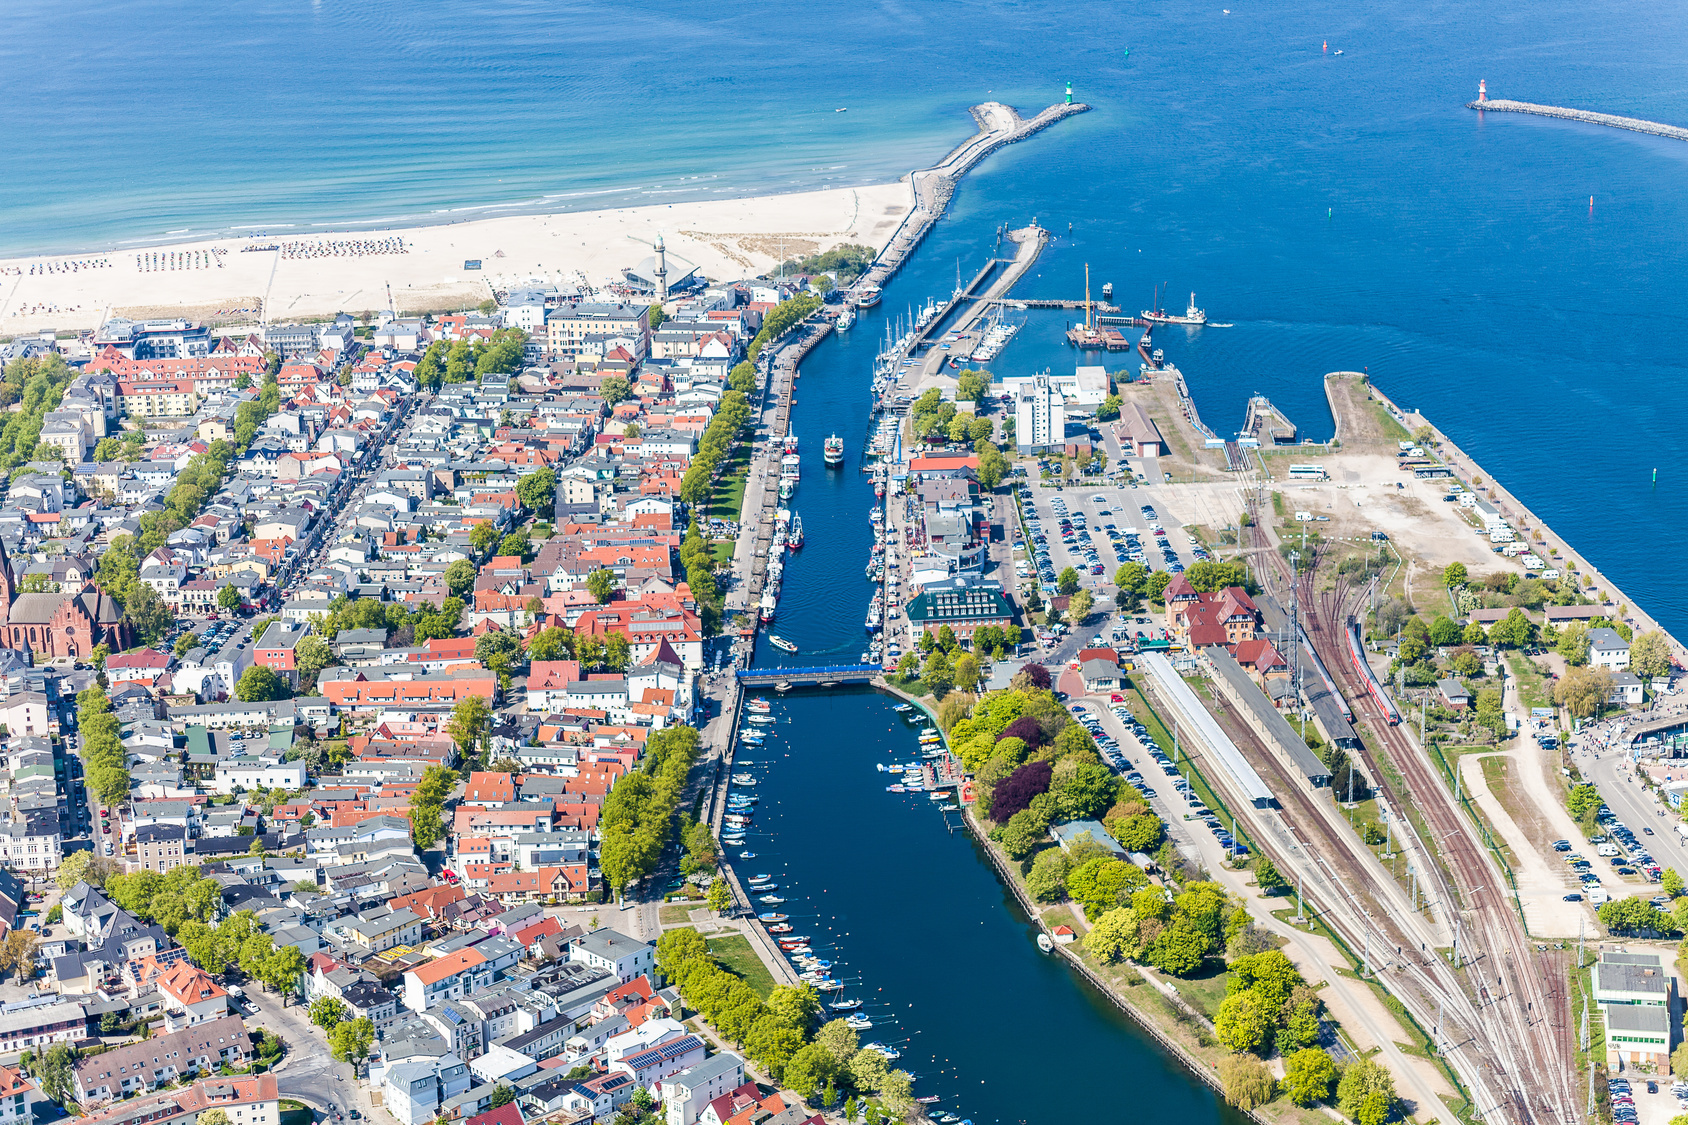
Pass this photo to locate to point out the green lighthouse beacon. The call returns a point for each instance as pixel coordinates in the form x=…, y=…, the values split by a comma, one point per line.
x=1069, y=93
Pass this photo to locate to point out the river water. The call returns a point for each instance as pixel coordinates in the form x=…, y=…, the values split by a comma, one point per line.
x=918, y=925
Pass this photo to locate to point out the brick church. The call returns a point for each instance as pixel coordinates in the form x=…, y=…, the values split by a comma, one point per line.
x=58, y=625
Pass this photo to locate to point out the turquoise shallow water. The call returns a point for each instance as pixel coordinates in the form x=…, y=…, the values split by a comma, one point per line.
x=1345, y=212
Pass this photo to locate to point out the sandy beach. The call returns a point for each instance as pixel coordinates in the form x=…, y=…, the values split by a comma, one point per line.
x=223, y=282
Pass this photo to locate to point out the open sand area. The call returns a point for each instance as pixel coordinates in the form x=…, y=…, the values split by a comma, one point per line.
x=724, y=239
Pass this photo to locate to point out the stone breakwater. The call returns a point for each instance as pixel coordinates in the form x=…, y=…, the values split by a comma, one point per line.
x=1635, y=124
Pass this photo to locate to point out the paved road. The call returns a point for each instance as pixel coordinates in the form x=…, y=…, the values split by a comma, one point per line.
x=308, y=1073
x=1597, y=754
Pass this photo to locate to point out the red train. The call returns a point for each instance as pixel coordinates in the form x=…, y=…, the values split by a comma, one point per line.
x=1357, y=656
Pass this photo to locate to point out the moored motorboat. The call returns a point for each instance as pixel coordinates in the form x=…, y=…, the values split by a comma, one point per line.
x=747, y=855
x=1045, y=943
x=762, y=720
x=938, y=795
x=771, y=900
x=760, y=706
x=772, y=917
x=782, y=928
x=858, y=1022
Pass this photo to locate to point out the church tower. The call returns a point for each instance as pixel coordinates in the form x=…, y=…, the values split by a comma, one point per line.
x=8, y=585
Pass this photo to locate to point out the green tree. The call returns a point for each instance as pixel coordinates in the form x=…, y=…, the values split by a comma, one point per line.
x=1454, y=574
x=1308, y=1075
x=1243, y=1023
x=1246, y=1080
x=538, y=491
x=1179, y=950
x=1649, y=655
x=1363, y=1081
x=470, y=718
x=1109, y=410
x=614, y=389
x=258, y=684
x=1583, y=691
x=148, y=613
x=502, y=1096
x=797, y=1005
x=809, y=1070
x=483, y=537
x=311, y=655
x=1079, y=606
x=1267, y=876
x=1573, y=643
x=281, y=970
x=720, y=898
x=1114, y=937
x=1067, y=582
x=460, y=577
x=55, y=1070
x=601, y=583
x=1670, y=882
x=1047, y=880
x=550, y=643
x=350, y=1041
x=228, y=599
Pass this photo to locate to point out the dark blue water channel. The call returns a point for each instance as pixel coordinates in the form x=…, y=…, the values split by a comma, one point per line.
x=914, y=919
x=904, y=903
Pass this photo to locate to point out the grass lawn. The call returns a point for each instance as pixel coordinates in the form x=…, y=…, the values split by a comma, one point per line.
x=737, y=957
x=722, y=551
x=1205, y=990
x=1534, y=689
x=727, y=501
x=678, y=912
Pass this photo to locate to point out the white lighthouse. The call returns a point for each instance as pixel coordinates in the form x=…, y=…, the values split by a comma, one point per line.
x=1482, y=90
x=661, y=270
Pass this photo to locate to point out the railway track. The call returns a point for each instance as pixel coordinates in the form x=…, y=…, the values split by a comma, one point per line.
x=1521, y=1023
x=1499, y=1008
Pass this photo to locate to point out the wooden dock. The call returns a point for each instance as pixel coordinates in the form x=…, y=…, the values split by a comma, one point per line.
x=999, y=125
x=1634, y=124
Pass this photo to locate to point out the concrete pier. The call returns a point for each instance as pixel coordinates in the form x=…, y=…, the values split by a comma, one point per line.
x=998, y=125
x=1634, y=124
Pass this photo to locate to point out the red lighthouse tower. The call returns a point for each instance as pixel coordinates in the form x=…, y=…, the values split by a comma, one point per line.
x=1482, y=90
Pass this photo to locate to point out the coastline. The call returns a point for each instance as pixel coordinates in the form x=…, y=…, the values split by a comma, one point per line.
x=722, y=239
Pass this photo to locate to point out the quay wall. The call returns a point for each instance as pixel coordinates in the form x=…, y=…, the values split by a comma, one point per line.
x=1634, y=124
x=1521, y=517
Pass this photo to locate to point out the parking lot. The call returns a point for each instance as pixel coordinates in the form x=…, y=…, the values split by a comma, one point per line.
x=1094, y=531
x=1131, y=751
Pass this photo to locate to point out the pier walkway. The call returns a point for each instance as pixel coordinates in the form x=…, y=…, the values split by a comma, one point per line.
x=1634, y=124
x=998, y=125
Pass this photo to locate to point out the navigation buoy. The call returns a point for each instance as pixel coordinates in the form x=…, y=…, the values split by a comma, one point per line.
x=1326, y=48
x=1591, y=205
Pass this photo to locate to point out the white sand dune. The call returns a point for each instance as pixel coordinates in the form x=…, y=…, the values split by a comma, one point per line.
x=725, y=239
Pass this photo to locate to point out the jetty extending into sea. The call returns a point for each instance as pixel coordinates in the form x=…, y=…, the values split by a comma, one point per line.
x=998, y=125
x=1634, y=124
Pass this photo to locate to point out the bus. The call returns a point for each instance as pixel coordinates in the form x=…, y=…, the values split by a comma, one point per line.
x=1306, y=472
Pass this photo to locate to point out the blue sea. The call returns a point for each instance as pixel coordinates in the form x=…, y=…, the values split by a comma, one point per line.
x=1343, y=210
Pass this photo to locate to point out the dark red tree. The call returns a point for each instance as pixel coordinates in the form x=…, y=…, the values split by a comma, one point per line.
x=1026, y=729
x=1037, y=674
x=1018, y=789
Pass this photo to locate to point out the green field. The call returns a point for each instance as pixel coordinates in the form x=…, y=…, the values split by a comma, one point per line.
x=737, y=957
